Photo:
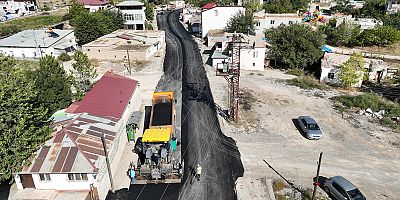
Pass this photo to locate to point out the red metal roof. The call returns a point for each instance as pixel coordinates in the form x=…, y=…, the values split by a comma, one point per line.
x=209, y=5
x=94, y=2
x=108, y=97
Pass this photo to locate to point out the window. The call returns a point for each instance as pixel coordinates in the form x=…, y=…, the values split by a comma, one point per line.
x=138, y=17
x=88, y=49
x=331, y=75
x=44, y=177
x=215, y=12
x=339, y=189
x=290, y=22
x=254, y=64
x=77, y=177
x=272, y=21
x=258, y=23
x=255, y=54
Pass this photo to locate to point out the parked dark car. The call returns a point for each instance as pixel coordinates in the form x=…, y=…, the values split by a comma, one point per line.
x=342, y=189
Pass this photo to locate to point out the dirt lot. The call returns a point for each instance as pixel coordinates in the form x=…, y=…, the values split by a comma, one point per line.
x=353, y=147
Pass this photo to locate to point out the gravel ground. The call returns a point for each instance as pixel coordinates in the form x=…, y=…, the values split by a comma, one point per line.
x=353, y=147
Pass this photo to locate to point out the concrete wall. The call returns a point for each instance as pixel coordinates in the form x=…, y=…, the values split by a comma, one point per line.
x=58, y=182
x=252, y=59
x=217, y=18
x=96, y=8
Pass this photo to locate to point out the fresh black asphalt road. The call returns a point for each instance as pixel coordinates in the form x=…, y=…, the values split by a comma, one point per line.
x=202, y=140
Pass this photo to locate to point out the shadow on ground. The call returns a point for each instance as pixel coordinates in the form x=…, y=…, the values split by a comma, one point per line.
x=5, y=189
x=297, y=125
x=321, y=184
x=146, y=192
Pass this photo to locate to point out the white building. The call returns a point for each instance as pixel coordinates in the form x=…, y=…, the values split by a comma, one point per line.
x=178, y=4
x=217, y=18
x=17, y=8
x=95, y=5
x=265, y=21
x=73, y=159
x=37, y=43
x=252, y=52
x=330, y=69
x=142, y=45
x=365, y=23
x=133, y=12
x=392, y=6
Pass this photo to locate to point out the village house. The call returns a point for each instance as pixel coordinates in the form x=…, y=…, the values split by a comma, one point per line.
x=217, y=17
x=265, y=21
x=252, y=51
x=140, y=45
x=330, y=69
x=11, y=9
x=95, y=5
x=133, y=12
x=73, y=160
x=38, y=43
x=364, y=23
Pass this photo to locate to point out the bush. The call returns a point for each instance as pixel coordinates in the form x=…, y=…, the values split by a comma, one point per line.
x=375, y=103
x=279, y=185
x=307, y=82
x=296, y=72
x=64, y=57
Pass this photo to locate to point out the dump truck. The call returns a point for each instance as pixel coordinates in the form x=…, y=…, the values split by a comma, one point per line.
x=159, y=151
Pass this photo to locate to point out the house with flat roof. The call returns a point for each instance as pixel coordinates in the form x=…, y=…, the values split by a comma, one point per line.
x=265, y=21
x=252, y=50
x=139, y=44
x=74, y=158
x=38, y=43
x=377, y=70
x=95, y=5
x=133, y=13
x=217, y=17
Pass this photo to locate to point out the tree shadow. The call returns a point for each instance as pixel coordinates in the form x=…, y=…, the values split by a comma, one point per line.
x=297, y=125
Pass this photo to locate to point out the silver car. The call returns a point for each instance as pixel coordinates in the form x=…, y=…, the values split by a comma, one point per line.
x=310, y=127
x=342, y=189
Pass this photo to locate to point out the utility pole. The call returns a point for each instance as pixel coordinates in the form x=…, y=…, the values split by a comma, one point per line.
x=316, y=183
x=129, y=61
x=108, y=162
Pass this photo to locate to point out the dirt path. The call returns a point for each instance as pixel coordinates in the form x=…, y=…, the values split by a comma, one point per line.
x=267, y=131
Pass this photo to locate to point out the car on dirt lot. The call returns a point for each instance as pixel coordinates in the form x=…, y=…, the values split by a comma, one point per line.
x=342, y=189
x=310, y=127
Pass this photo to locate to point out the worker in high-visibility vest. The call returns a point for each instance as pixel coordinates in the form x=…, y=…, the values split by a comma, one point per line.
x=198, y=171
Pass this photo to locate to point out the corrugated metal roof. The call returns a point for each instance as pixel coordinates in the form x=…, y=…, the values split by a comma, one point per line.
x=108, y=97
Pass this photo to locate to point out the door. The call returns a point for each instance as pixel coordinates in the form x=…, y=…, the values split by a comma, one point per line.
x=27, y=181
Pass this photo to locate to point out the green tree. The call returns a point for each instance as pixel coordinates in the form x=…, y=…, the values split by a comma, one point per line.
x=74, y=11
x=392, y=20
x=252, y=6
x=350, y=71
x=373, y=8
x=149, y=12
x=84, y=74
x=241, y=23
x=24, y=123
x=345, y=34
x=342, y=6
x=295, y=46
x=285, y=6
x=380, y=36
x=52, y=84
x=90, y=26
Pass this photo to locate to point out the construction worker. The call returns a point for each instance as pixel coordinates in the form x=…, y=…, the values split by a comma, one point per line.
x=198, y=171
